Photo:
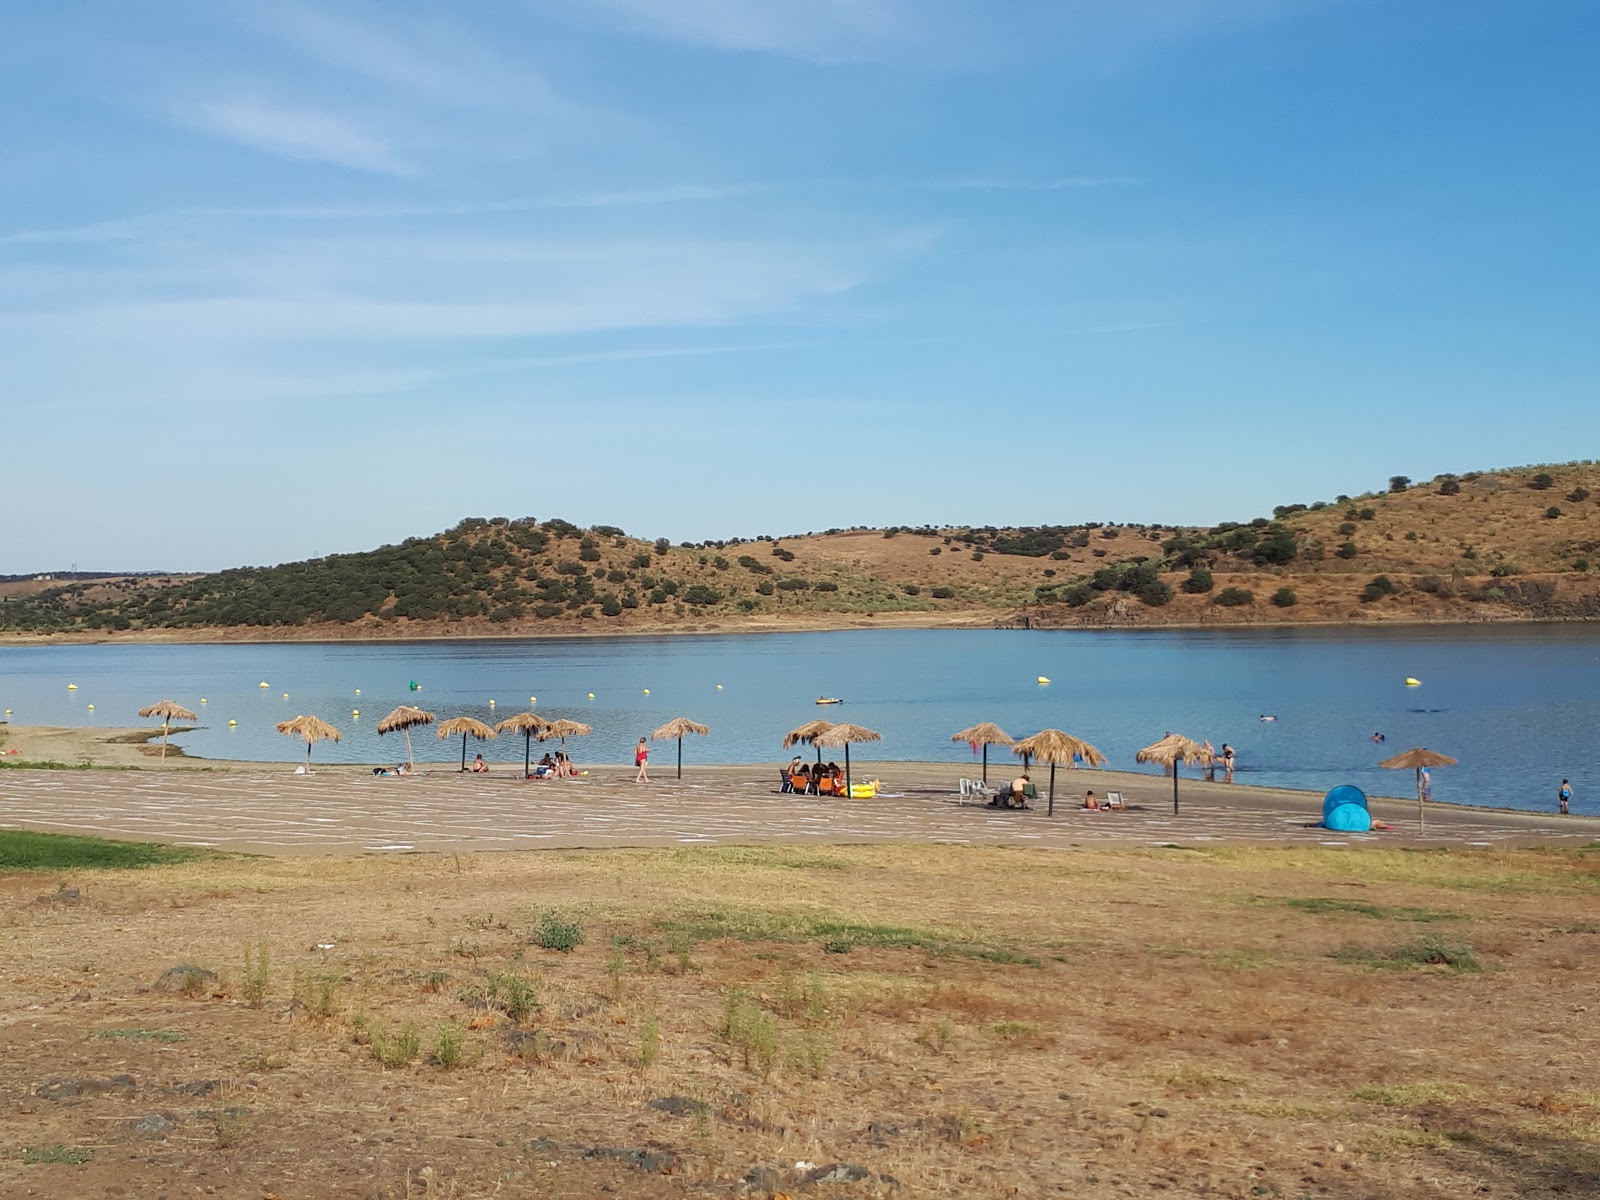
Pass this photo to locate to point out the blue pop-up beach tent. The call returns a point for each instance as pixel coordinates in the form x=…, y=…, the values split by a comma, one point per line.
x=1345, y=809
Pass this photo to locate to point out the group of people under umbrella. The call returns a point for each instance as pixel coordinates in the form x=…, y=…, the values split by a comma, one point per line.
x=1050, y=746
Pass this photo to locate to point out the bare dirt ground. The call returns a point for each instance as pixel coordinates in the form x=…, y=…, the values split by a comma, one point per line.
x=1263, y=1021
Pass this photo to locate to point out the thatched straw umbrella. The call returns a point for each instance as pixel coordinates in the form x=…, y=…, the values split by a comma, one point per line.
x=403, y=718
x=1172, y=750
x=562, y=728
x=842, y=735
x=1415, y=759
x=311, y=730
x=466, y=727
x=1054, y=747
x=676, y=728
x=169, y=711
x=808, y=734
x=527, y=724
x=985, y=734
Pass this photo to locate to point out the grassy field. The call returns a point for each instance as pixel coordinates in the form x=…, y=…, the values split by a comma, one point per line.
x=1243, y=1022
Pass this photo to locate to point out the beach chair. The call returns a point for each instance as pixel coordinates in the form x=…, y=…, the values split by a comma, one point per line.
x=787, y=783
x=1114, y=800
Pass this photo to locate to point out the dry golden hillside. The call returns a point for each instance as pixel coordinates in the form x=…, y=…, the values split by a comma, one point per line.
x=1515, y=544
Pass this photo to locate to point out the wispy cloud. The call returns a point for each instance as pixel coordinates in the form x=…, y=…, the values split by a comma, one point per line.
x=823, y=30
x=298, y=133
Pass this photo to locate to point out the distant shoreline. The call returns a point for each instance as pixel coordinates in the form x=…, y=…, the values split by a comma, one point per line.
x=845, y=623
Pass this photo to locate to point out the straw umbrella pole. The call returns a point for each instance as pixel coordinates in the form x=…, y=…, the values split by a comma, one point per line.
x=168, y=711
x=1054, y=747
x=984, y=734
x=561, y=727
x=842, y=735
x=676, y=728
x=310, y=730
x=807, y=733
x=466, y=727
x=1169, y=752
x=403, y=718
x=1415, y=759
x=527, y=724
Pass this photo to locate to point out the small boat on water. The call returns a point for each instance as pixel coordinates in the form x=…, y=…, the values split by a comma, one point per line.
x=829, y=700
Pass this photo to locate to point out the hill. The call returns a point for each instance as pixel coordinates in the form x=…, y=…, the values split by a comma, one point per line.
x=1516, y=544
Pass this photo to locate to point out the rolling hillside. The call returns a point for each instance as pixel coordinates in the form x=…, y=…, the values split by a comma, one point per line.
x=1514, y=544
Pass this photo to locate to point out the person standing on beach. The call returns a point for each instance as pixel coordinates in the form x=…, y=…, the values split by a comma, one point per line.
x=1425, y=783
x=1227, y=763
x=641, y=756
x=1564, y=798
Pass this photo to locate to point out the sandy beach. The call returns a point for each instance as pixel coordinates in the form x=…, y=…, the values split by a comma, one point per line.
x=341, y=809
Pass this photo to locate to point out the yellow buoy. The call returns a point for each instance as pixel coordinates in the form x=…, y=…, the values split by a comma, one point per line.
x=491, y=704
x=533, y=699
x=1044, y=679
x=358, y=691
x=233, y=722
x=591, y=695
x=647, y=691
x=719, y=687
x=91, y=708
x=355, y=712
x=72, y=687
x=1410, y=682
x=202, y=699
x=286, y=695
x=263, y=683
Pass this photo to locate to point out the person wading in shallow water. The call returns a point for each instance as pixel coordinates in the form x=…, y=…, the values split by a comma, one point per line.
x=641, y=756
x=1564, y=798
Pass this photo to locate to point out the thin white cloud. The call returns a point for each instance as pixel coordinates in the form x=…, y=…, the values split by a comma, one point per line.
x=298, y=133
x=823, y=30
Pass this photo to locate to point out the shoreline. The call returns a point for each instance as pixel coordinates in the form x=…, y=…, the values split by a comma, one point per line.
x=137, y=748
x=840, y=623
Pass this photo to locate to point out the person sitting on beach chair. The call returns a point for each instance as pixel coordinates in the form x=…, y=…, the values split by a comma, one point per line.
x=1020, y=787
x=824, y=783
x=800, y=779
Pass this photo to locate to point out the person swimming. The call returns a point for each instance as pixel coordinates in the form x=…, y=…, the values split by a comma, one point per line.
x=1268, y=717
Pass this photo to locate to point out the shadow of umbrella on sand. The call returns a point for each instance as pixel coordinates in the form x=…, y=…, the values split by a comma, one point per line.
x=985, y=734
x=1054, y=747
x=1172, y=750
x=403, y=718
x=676, y=728
x=808, y=734
x=310, y=730
x=528, y=725
x=466, y=727
x=1415, y=759
x=169, y=711
x=842, y=735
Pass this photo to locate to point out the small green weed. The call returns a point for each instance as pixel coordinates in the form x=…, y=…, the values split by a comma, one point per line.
x=554, y=933
x=1423, y=952
x=138, y=1035
x=317, y=992
x=392, y=1048
x=1326, y=906
x=449, y=1050
x=73, y=1155
x=254, y=985
x=748, y=1028
x=649, y=1039
x=514, y=993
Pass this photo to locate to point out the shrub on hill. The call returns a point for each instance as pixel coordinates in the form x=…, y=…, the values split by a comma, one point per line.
x=1200, y=581
x=1541, y=482
x=1284, y=597
x=1234, y=597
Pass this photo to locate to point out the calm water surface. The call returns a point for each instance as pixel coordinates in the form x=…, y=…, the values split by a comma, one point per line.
x=1517, y=705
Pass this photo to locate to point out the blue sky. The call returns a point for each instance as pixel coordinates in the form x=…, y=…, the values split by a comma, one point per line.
x=283, y=279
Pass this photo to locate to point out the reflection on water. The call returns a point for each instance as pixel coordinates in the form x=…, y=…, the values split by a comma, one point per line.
x=1515, y=704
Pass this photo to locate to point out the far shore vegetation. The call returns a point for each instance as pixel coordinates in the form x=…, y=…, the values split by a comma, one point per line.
x=1480, y=545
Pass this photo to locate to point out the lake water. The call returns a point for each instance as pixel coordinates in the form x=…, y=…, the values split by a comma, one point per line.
x=1518, y=706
